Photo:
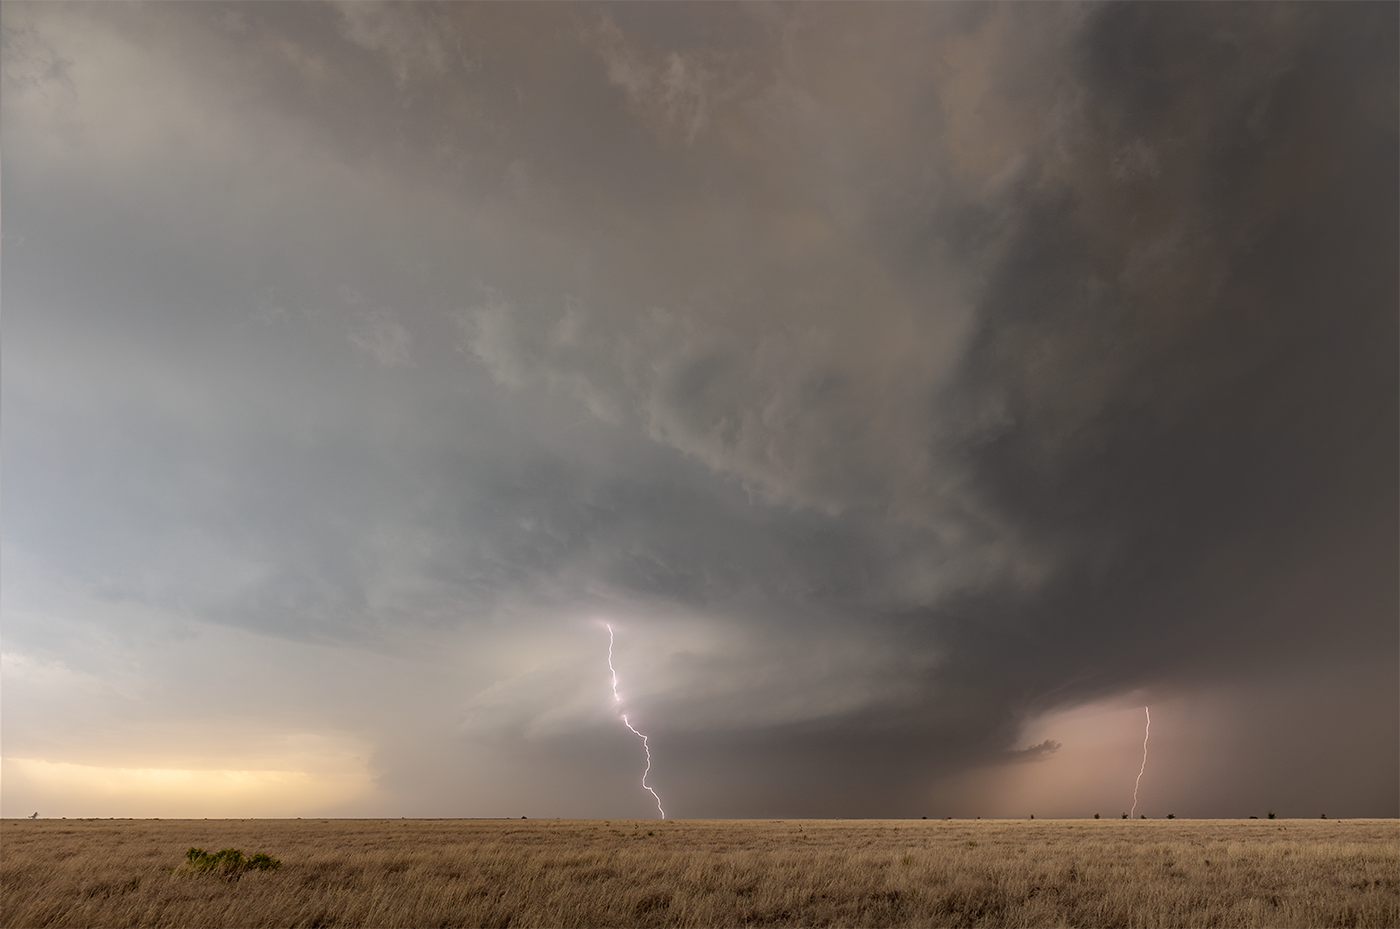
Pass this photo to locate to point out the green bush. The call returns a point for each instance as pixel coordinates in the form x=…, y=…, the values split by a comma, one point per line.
x=229, y=863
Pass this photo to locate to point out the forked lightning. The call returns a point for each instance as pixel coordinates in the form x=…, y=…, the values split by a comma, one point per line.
x=645, y=746
x=1145, y=737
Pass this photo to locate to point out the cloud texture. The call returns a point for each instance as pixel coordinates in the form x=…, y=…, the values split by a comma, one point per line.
x=897, y=380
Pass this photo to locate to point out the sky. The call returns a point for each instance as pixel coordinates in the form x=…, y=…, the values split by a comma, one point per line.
x=919, y=391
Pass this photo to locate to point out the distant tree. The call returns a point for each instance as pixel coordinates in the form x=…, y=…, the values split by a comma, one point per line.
x=1171, y=816
x=1033, y=816
x=1324, y=815
x=1142, y=816
x=1271, y=814
x=1125, y=815
x=1254, y=817
x=1096, y=815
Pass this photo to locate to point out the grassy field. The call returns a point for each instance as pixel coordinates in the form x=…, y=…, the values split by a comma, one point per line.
x=706, y=873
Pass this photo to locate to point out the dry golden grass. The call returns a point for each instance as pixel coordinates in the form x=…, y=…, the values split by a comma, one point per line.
x=707, y=873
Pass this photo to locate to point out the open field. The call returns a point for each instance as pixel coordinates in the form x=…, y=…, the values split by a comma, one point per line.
x=706, y=873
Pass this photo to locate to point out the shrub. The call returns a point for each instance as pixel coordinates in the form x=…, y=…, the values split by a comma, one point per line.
x=229, y=863
x=1271, y=814
x=1096, y=815
x=1171, y=816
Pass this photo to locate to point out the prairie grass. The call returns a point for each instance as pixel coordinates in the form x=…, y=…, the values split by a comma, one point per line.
x=707, y=873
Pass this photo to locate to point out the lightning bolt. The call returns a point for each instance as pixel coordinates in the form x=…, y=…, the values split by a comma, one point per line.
x=1145, y=736
x=645, y=746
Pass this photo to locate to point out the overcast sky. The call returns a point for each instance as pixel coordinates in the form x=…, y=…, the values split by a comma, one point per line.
x=920, y=391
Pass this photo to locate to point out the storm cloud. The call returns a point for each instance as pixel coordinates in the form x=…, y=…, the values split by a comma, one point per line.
x=900, y=381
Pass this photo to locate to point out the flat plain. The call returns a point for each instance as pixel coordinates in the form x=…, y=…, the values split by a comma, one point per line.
x=389, y=873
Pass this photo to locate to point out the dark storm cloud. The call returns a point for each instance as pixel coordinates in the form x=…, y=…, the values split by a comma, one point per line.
x=891, y=376
x=1038, y=752
x=1198, y=369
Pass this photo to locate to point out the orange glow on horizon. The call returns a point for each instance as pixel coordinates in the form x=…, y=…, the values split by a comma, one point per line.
x=57, y=788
